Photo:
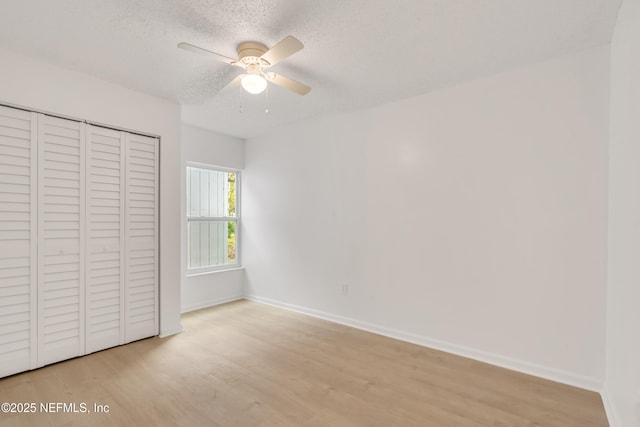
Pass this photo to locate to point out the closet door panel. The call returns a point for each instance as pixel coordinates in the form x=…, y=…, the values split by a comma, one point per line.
x=141, y=283
x=78, y=239
x=60, y=239
x=18, y=241
x=105, y=239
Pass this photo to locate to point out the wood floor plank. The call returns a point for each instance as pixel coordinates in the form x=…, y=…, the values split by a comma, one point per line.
x=247, y=364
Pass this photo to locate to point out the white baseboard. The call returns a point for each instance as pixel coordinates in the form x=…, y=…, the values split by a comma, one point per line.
x=552, y=374
x=610, y=409
x=211, y=303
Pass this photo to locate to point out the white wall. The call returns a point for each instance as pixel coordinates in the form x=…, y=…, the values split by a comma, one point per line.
x=622, y=390
x=38, y=85
x=204, y=290
x=471, y=219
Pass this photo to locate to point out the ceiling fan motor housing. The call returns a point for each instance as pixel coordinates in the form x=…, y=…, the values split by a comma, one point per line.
x=249, y=53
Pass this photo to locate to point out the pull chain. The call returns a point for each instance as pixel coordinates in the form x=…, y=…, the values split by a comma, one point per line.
x=266, y=108
x=240, y=99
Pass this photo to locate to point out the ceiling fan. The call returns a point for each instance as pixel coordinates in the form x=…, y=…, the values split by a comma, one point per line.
x=255, y=58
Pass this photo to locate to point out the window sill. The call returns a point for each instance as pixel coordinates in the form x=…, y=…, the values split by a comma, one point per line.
x=222, y=270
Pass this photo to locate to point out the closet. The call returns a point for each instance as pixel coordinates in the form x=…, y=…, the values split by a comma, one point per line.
x=78, y=238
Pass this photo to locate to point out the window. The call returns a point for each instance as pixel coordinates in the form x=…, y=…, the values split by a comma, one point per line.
x=212, y=218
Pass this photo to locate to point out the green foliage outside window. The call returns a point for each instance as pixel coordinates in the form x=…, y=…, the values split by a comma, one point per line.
x=231, y=226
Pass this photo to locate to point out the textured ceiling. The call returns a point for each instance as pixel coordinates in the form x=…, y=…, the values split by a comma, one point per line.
x=358, y=53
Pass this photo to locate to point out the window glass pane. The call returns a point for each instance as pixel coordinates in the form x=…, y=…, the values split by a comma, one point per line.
x=211, y=243
x=211, y=193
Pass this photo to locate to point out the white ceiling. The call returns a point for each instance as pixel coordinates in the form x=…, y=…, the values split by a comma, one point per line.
x=358, y=53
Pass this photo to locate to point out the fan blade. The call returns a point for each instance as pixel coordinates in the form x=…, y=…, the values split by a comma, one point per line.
x=201, y=51
x=288, y=83
x=286, y=47
x=233, y=84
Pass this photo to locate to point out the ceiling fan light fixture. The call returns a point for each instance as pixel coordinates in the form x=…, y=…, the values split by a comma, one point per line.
x=254, y=58
x=253, y=83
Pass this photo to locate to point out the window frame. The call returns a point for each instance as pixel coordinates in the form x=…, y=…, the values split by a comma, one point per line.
x=215, y=268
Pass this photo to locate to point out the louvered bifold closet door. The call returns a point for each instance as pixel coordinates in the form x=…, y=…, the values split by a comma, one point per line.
x=60, y=239
x=18, y=224
x=105, y=239
x=141, y=277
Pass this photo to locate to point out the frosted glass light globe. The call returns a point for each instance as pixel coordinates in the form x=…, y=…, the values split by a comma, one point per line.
x=253, y=83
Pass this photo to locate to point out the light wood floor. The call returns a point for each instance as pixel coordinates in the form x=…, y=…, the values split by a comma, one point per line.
x=247, y=364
